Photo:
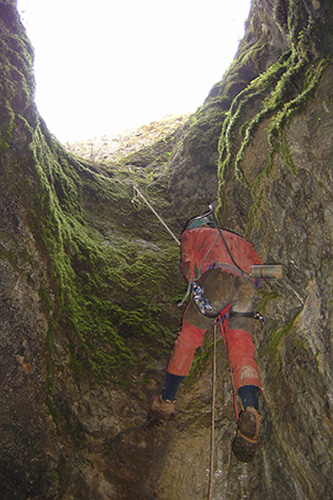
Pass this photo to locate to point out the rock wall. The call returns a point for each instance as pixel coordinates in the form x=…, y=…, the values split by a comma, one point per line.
x=275, y=186
x=89, y=281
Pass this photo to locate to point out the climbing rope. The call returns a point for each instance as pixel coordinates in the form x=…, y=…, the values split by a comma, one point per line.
x=220, y=320
x=224, y=242
x=212, y=447
x=224, y=316
x=137, y=193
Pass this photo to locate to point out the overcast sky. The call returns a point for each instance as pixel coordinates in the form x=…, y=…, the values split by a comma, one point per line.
x=106, y=66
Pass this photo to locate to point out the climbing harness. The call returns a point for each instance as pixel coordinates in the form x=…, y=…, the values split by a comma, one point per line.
x=203, y=304
x=207, y=309
x=134, y=202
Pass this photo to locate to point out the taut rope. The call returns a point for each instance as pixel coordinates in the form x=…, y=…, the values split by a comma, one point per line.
x=136, y=192
x=220, y=320
x=212, y=448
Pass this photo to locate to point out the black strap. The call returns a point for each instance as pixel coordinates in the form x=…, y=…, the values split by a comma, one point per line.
x=252, y=314
x=224, y=242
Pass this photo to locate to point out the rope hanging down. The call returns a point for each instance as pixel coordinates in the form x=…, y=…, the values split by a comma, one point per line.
x=212, y=443
x=219, y=320
x=136, y=193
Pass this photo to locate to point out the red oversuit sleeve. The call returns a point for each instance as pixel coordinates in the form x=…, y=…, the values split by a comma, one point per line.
x=187, y=261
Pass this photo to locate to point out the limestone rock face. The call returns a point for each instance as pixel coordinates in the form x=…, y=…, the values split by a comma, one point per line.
x=89, y=281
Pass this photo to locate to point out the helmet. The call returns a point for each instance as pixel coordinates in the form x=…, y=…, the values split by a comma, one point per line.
x=198, y=222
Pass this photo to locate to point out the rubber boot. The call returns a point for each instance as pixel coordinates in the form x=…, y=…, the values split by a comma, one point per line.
x=162, y=409
x=245, y=443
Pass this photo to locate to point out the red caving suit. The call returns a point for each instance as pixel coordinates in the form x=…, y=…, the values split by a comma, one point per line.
x=205, y=259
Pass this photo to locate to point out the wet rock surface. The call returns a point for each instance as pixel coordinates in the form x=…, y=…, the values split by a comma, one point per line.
x=86, y=321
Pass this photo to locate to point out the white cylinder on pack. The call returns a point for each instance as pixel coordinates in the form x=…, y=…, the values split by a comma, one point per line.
x=267, y=271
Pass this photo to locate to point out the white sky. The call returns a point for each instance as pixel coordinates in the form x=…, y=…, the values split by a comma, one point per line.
x=105, y=66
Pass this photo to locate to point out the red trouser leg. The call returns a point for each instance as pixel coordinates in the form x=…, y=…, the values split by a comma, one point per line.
x=241, y=354
x=189, y=338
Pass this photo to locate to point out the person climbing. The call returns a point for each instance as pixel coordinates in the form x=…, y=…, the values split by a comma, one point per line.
x=216, y=264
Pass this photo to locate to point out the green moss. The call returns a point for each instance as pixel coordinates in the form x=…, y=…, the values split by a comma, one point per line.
x=257, y=88
x=277, y=84
x=273, y=96
x=108, y=269
x=111, y=286
x=204, y=129
x=276, y=337
x=112, y=267
x=311, y=79
x=289, y=161
x=8, y=123
x=266, y=298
